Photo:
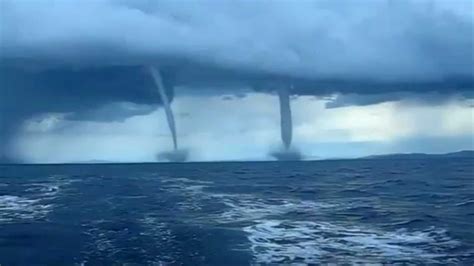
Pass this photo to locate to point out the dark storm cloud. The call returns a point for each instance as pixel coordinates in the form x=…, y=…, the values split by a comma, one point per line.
x=426, y=98
x=315, y=40
x=94, y=93
x=64, y=90
x=319, y=47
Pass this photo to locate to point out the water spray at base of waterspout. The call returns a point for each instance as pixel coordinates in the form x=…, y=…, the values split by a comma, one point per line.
x=173, y=156
x=176, y=155
x=287, y=155
x=286, y=126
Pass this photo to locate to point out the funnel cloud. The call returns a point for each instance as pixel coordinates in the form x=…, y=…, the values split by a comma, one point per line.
x=286, y=124
x=176, y=155
x=288, y=153
x=166, y=104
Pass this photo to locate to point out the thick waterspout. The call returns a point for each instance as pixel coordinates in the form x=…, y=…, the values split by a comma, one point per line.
x=286, y=125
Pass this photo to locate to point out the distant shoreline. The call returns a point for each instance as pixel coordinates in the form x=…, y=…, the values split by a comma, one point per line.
x=459, y=154
x=399, y=156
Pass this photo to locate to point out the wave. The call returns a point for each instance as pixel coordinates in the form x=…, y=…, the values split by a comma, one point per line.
x=465, y=203
x=280, y=241
x=32, y=201
x=14, y=208
x=275, y=237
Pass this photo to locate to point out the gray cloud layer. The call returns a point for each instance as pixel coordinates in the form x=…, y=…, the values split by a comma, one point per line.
x=377, y=40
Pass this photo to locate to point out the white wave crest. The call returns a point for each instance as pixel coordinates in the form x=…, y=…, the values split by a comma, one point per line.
x=276, y=241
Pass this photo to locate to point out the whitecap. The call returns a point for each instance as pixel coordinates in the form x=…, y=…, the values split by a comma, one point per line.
x=14, y=208
x=279, y=241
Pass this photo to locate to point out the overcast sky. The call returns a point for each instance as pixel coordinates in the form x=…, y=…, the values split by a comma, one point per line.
x=247, y=128
x=366, y=77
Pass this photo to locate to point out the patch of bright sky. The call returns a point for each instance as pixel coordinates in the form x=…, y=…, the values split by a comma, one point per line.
x=248, y=129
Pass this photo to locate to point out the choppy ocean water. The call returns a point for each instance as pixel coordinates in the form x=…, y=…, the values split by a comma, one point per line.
x=347, y=211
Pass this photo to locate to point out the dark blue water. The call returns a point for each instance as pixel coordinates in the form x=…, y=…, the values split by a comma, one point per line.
x=348, y=211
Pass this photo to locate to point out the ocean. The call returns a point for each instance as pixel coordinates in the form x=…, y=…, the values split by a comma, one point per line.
x=383, y=211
